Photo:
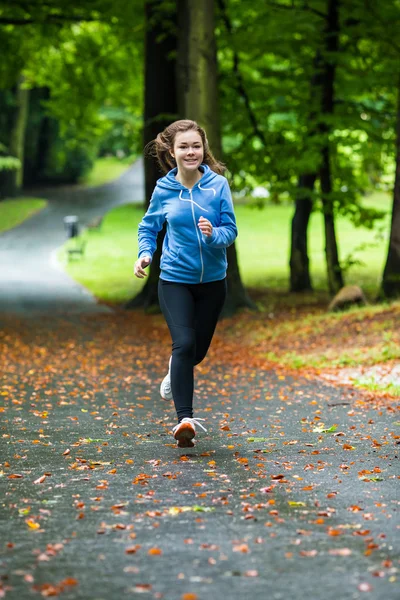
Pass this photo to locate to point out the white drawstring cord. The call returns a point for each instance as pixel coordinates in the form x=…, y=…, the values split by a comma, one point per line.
x=207, y=190
x=192, y=201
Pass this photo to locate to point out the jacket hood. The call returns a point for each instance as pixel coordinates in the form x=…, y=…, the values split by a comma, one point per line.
x=169, y=182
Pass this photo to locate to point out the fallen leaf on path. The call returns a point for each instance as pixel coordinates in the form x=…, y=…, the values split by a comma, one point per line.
x=365, y=587
x=340, y=551
x=40, y=479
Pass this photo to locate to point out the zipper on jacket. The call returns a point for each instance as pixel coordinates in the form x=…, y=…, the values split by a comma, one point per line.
x=198, y=237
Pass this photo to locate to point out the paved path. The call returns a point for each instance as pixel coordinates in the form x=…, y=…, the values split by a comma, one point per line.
x=99, y=504
x=31, y=282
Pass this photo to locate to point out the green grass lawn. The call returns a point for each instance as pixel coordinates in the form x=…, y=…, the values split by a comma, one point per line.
x=263, y=250
x=16, y=210
x=106, y=169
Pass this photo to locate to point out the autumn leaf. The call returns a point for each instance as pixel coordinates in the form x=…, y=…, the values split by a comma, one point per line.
x=197, y=508
x=244, y=548
x=334, y=532
x=340, y=551
x=323, y=430
x=308, y=553
x=32, y=524
x=132, y=549
x=40, y=479
x=364, y=587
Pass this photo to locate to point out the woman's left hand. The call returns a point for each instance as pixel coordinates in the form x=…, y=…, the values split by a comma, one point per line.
x=205, y=227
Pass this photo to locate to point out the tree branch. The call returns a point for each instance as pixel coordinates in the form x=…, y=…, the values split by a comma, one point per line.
x=52, y=18
x=303, y=7
x=240, y=82
x=386, y=37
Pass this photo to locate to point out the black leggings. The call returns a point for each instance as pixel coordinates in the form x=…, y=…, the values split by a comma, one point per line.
x=191, y=312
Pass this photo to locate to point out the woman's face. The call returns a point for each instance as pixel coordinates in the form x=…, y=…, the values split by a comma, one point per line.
x=188, y=151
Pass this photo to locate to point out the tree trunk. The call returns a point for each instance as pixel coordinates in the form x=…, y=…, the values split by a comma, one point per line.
x=331, y=35
x=390, y=287
x=197, y=68
x=17, y=137
x=300, y=280
x=160, y=109
x=334, y=273
x=198, y=100
x=44, y=137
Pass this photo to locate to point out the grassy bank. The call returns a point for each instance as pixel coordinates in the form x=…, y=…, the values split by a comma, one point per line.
x=263, y=250
x=106, y=169
x=360, y=347
x=15, y=211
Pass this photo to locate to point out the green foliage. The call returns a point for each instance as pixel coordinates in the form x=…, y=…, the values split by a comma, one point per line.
x=90, y=59
x=88, y=69
x=69, y=160
x=7, y=163
x=271, y=103
x=15, y=211
x=122, y=135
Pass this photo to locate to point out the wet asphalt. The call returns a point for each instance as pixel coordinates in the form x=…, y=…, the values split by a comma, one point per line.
x=105, y=505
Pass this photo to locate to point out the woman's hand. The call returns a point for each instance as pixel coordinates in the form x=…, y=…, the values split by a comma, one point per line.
x=205, y=227
x=140, y=265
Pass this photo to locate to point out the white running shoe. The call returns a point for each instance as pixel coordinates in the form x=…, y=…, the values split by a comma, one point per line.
x=185, y=431
x=165, y=387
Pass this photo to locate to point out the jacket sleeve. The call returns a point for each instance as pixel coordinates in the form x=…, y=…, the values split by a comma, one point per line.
x=149, y=227
x=225, y=234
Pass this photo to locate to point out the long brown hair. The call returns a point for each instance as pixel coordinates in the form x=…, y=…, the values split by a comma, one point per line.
x=161, y=147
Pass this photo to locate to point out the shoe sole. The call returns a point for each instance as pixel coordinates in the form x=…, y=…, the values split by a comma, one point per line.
x=185, y=435
x=165, y=396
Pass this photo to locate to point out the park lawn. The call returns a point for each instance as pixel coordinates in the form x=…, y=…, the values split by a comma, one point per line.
x=106, y=169
x=262, y=245
x=16, y=210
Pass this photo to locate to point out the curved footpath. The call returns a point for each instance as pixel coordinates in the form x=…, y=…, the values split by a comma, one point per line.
x=31, y=281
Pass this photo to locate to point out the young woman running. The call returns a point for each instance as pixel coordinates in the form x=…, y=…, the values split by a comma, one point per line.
x=194, y=199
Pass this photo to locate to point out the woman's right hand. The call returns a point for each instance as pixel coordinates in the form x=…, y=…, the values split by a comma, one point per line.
x=140, y=265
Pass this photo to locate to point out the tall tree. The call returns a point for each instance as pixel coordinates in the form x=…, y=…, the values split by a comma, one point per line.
x=17, y=138
x=328, y=68
x=160, y=109
x=199, y=100
x=300, y=279
x=390, y=287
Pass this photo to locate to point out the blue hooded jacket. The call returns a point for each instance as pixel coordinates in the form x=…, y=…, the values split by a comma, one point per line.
x=188, y=256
